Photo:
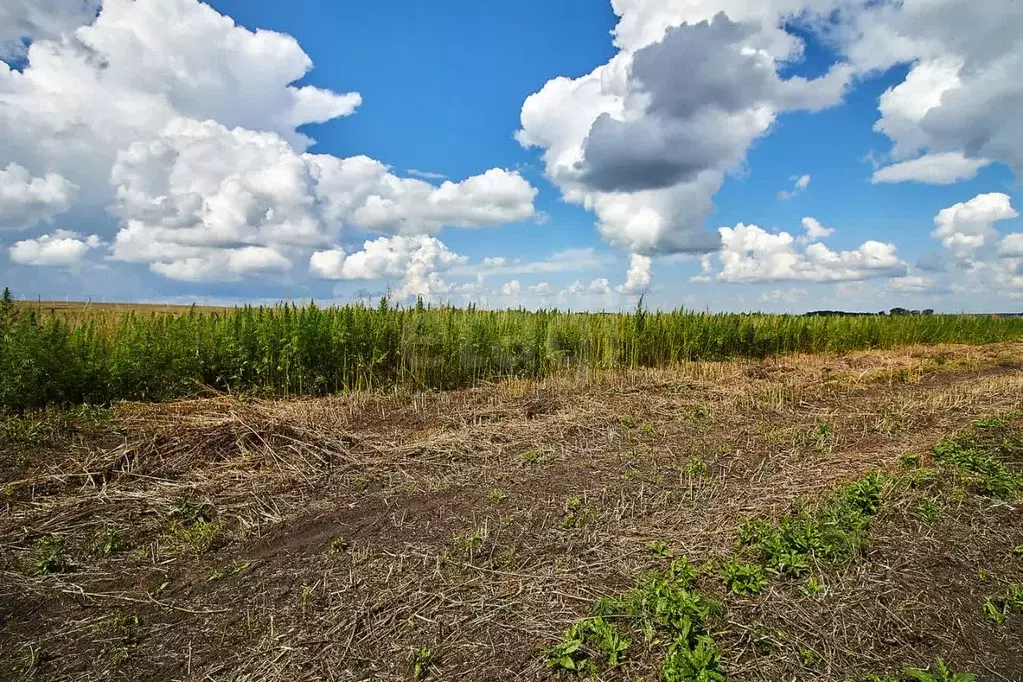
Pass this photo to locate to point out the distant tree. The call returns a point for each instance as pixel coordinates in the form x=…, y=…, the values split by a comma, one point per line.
x=928, y=311
x=900, y=311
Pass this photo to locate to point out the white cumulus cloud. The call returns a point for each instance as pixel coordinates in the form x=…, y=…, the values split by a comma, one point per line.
x=645, y=140
x=752, y=254
x=637, y=279
x=943, y=168
x=63, y=248
x=416, y=260
x=185, y=126
x=25, y=21
x=962, y=99
x=26, y=200
x=966, y=229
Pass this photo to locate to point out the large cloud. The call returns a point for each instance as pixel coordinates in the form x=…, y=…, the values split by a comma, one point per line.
x=186, y=126
x=962, y=96
x=645, y=140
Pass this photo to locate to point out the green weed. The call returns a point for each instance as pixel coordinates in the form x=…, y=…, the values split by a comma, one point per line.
x=576, y=513
x=996, y=609
x=472, y=542
x=742, y=578
x=928, y=510
x=584, y=642
x=128, y=634
x=812, y=588
x=696, y=468
x=699, y=662
x=234, y=568
x=421, y=662
x=50, y=555
x=909, y=460
x=941, y=673
x=659, y=548
x=984, y=469
x=832, y=534
x=202, y=537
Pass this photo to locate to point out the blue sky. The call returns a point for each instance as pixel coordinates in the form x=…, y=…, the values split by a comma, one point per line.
x=574, y=154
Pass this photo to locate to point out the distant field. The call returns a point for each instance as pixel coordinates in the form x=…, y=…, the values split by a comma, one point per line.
x=802, y=517
x=82, y=309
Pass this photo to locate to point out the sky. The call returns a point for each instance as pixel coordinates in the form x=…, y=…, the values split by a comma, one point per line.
x=775, y=155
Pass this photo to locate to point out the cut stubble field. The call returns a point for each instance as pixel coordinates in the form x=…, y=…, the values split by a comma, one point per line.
x=801, y=517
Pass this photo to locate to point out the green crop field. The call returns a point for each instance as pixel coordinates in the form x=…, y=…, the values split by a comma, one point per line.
x=69, y=355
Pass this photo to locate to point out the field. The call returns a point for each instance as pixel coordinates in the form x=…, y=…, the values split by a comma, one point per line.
x=54, y=356
x=824, y=516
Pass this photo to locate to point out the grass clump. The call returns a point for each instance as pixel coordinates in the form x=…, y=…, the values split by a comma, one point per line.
x=833, y=534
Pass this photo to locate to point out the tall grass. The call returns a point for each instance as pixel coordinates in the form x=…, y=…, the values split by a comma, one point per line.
x=289, y=351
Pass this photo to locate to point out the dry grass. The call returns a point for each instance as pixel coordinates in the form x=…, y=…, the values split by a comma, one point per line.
x=326, y=539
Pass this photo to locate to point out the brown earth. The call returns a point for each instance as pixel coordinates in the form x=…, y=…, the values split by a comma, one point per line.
x=326, y=539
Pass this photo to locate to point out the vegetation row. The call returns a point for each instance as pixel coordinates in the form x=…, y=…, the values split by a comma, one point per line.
x=286, y=350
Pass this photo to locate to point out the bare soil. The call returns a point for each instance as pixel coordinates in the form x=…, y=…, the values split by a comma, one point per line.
x=327, y=539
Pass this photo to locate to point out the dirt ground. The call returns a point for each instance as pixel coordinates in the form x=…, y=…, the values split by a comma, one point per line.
x=328, y=539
